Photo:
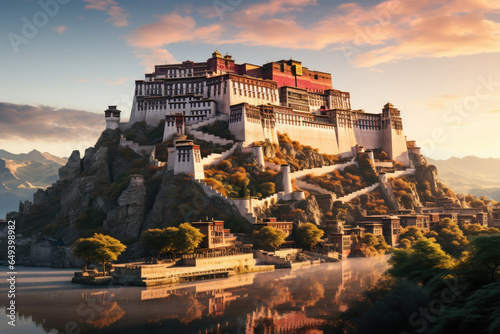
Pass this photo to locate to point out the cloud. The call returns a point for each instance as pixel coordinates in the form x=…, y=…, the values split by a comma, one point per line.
x=155, y=56
x=114, y=82
x=443, y=101
x=390, y=31
x=117, y=14
x=44, y=123
x=172, y=28
x=60, y=29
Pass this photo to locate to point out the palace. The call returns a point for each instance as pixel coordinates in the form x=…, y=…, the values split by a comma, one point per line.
x=260, y=101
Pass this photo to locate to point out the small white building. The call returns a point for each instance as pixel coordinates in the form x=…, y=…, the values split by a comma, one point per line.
x=112, y=116
x=185, y=157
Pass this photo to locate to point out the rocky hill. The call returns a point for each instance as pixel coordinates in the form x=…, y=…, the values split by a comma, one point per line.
x=119, y=191
x=22, y=174
x=113, y=190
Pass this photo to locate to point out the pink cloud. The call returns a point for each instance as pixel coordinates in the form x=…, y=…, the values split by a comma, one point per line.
x=277, y=6
x=389, y=31
x=154, y=56
x=171, y=28
x=117, y=14
x=115, y=82
x=60, y=29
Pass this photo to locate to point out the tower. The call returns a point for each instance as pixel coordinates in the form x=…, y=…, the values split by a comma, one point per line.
x=287, y=181
x=393, y=138
x=112, y=116
x=185, y=158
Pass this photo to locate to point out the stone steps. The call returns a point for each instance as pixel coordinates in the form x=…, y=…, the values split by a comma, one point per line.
x=218, y=157
x=312, y=187
x=322, y=170
x=351, y=196
x=210, y=138
x=209, y=121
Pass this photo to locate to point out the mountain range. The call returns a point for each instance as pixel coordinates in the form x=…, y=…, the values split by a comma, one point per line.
x=22, y=174
x=470, y=175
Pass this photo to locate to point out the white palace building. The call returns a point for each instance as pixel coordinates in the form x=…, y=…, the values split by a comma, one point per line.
x=260, y=101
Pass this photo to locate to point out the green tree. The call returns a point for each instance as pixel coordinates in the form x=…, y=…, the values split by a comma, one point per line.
x=410, y=233
x=420, y=262
x=309, y=235
x=267, y=189
x=450, y=237
x=99, y=247
x=271, y=236
x=159, y=240
x=187, y=238
x=404, y=243
x=375, y=244
x=477, y=229
x=85, y=248
x=485, y=254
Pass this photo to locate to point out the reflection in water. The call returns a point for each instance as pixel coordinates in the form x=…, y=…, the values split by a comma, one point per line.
x=284, y=301
x=107, y=311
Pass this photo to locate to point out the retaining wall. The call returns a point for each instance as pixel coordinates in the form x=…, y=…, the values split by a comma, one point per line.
x=221, y=262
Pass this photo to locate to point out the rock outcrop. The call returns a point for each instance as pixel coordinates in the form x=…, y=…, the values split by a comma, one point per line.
x=125, y=221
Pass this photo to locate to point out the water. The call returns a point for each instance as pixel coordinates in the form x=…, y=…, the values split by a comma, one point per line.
x=284, y=301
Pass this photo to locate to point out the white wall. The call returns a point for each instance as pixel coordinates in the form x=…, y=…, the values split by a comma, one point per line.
x=322, y=137
x=368, y=138
x=346, y=140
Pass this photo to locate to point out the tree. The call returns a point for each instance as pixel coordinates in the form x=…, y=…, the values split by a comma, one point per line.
x=404, y=243
x=477, y=229
x=99, y=247
x=450, y=237
x=420, y=262
x=271, y=236
x=159, y=240
x=375, y=244
x=309, y=235
x=486, y=254
x=187, y=238
x=410, y=233
x=85, y=248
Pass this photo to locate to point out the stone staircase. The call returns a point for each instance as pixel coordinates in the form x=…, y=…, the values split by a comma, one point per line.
x=351, y=196
x=215, y=158
x=322, y=170
x=223, y=117
x=208, y=137
x=312, y=188
x=198, y=134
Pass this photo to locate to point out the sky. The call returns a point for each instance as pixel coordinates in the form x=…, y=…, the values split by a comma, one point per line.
x=64, y=61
